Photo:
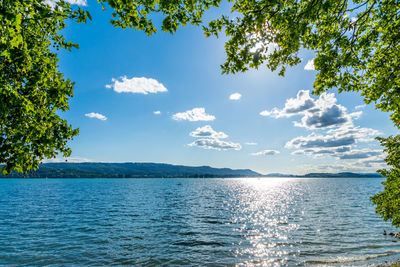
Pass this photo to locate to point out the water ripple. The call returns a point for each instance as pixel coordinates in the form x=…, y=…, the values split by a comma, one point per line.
x=192, y=222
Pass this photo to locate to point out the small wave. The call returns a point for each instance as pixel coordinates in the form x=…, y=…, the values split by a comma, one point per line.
x=199, y=243
x=352, y=259
x=189, y=233
x=214, y=222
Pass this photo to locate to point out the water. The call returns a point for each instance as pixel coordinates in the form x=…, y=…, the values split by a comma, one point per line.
x=197, y=222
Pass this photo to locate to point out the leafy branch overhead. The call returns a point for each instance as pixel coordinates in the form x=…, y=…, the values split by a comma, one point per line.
x=32, y=89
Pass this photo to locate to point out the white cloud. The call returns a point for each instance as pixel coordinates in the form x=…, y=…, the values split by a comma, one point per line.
x=359, y=134
x=336, y=167
x=360, y=106
x=208, y=138
x=69, y=159
x=53, y=3
x=250, y=143
x=208, y=132
x=157, y=112
x=215, y=144
x=235, y=96
x=377, y=162
x=337, y=135
x=293, y=106
x=338, y=143
x=320, y=113
x=322, y=152
x=343, y=153
x=77, y=2
x=322, y=168
x=266, y=113
x=310, y=65
x=137, y=85
x=329, y=117
x=196, y=114
x=360, y=154
x=265, y=153
x=316, y=141
x=96, y=116
x=335, y=138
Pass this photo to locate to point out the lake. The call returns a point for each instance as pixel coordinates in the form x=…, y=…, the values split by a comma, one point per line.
x=193, y=222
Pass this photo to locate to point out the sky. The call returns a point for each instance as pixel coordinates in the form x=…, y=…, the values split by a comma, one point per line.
x=164, y=99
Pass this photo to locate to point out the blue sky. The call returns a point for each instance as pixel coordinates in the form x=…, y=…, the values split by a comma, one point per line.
x=163, y=99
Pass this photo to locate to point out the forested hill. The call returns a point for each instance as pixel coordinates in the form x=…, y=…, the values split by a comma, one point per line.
x=129, y=170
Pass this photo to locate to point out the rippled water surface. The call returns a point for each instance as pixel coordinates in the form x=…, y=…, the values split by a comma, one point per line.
x=198, y=222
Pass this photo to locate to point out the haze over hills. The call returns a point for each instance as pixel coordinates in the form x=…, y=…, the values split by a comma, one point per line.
x=150, y=170
x=327, y=175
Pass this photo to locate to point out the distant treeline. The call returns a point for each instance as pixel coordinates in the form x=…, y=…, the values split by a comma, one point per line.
x=129, y=170
x=157, y=170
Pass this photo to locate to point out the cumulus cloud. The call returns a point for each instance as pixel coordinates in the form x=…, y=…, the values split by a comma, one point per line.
x=53, y=3
x=321, y=152
x=316, y=141
x=96, y=116
x=196, y=114
x=235, y=96
x=293, y=106
x=250, y=143
x=208, y=138
x=360, y=106
x=208, y=132
x=360, y=134
x=341, y=167
x=69, y=159
x=310, y=65
x=335, y=138
x=266, y=113
x=265, y=153
x=77, y=2
x=340, y=144
x=137, y=85
x=216, y=144
x=326, y=114
x=360, y=154
x=376, y=162
x=329, y=117
x=157, y=112
x=322, y=168
x=320, y=113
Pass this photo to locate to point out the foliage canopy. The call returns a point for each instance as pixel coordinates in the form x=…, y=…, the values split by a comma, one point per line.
x=32, y=90
x=356, y=46
x=388, y=202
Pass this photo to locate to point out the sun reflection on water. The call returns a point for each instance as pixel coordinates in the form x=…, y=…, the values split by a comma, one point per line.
x=263, y=206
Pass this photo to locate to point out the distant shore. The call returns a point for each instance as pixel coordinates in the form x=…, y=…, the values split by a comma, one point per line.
x=160, y=170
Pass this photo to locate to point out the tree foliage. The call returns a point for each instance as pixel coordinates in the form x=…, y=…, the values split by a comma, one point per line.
x=388, y=202
x=32, y=90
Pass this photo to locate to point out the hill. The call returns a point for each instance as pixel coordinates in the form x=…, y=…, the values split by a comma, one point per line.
x=129, y=170
x=152, y=170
